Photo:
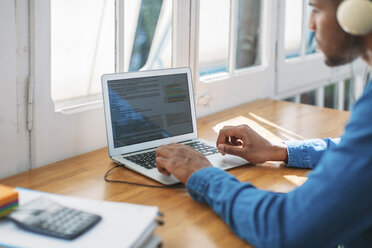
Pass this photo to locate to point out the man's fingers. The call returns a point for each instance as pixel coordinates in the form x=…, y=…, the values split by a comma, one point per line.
x=161, y=165
x=164, y=151
x=225, y=134
x=164, y=155
x=235, y=141
x=228, y=149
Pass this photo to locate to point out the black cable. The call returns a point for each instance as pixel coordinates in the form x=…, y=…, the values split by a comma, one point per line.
x=175, y=186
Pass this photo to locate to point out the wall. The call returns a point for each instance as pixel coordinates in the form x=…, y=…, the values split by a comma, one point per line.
x=14, y=137
x=8, y=92
x=50, y=127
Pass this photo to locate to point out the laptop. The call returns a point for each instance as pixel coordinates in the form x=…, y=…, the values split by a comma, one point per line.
x=146, y=109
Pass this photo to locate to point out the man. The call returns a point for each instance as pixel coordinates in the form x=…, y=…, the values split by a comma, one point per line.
x=334, y=206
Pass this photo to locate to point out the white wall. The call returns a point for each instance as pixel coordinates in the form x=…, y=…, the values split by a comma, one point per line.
x=14, y=137
x=8, y=92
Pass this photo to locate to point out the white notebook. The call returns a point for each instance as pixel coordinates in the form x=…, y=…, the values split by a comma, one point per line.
x=122, y=224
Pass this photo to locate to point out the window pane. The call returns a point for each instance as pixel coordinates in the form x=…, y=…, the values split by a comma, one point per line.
x=348, y=101
x=248, y=33
x=308, y=97
x=82, y=46
x=214, y=36
x=293, y=28
x=310, y=42
x=330, y=96
x=148, y=34
x=290, y=99
x=310, y=35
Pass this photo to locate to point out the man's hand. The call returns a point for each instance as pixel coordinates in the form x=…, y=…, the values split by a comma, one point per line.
x=180, y=161
x=244, y=142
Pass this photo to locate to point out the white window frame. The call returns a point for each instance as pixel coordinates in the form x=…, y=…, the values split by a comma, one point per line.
x=225, y=90
x=78, y=128
x=293, y=76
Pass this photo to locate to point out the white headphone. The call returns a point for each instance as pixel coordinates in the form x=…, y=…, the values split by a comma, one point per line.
x=355, y=16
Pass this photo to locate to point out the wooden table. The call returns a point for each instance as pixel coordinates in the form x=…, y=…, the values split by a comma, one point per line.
x=188, y=223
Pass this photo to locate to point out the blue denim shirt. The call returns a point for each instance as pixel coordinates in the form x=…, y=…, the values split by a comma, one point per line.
x=334, y=206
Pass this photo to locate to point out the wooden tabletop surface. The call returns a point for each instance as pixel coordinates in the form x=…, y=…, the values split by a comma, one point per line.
x=188, y=223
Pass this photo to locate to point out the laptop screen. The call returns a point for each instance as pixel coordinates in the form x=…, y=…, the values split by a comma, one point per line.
x=149, y=108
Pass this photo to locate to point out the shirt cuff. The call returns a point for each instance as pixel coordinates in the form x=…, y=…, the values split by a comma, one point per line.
x=307, y=153
x=198, y=183
x=298, y=154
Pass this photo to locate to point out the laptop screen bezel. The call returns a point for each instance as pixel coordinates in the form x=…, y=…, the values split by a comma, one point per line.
x=149, y=144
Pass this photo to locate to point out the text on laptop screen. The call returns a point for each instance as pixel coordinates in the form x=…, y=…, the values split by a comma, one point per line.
x=149, y=108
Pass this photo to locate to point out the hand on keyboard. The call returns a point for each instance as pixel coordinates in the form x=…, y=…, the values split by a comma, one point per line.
x=180, y=160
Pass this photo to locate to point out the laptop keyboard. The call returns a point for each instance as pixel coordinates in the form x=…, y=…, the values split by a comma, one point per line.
x=147, y=159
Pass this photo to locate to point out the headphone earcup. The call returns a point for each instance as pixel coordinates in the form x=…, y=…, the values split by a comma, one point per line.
x=355, y=16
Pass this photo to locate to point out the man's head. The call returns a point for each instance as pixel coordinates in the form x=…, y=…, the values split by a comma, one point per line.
x=338, y=46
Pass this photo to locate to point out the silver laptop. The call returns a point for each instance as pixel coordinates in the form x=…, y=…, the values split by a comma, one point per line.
x=146, y=109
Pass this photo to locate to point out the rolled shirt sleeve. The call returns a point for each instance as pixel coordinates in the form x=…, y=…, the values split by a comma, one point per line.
x=307, y=153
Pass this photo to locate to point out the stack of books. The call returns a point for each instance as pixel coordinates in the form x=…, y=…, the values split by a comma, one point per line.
x=122, y=225
x=8, y=200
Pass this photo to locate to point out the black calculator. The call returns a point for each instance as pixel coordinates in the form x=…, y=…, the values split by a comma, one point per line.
x=45, y=216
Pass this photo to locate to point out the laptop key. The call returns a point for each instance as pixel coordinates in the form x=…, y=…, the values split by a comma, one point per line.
x=203, y=148
x=145, y=160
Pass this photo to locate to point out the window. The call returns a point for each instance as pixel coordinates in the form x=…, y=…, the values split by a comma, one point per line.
x=147, y=35
x=214, y=26
x=85, y=46
x=298, y=39
x=232, y=53
x=308, y=97
x=293, y=28
x=229, y=35
x=73, y=43
x=338, y=95
x=82, y=46
x=330, y=96
x=248, y=42
x=238, y=50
